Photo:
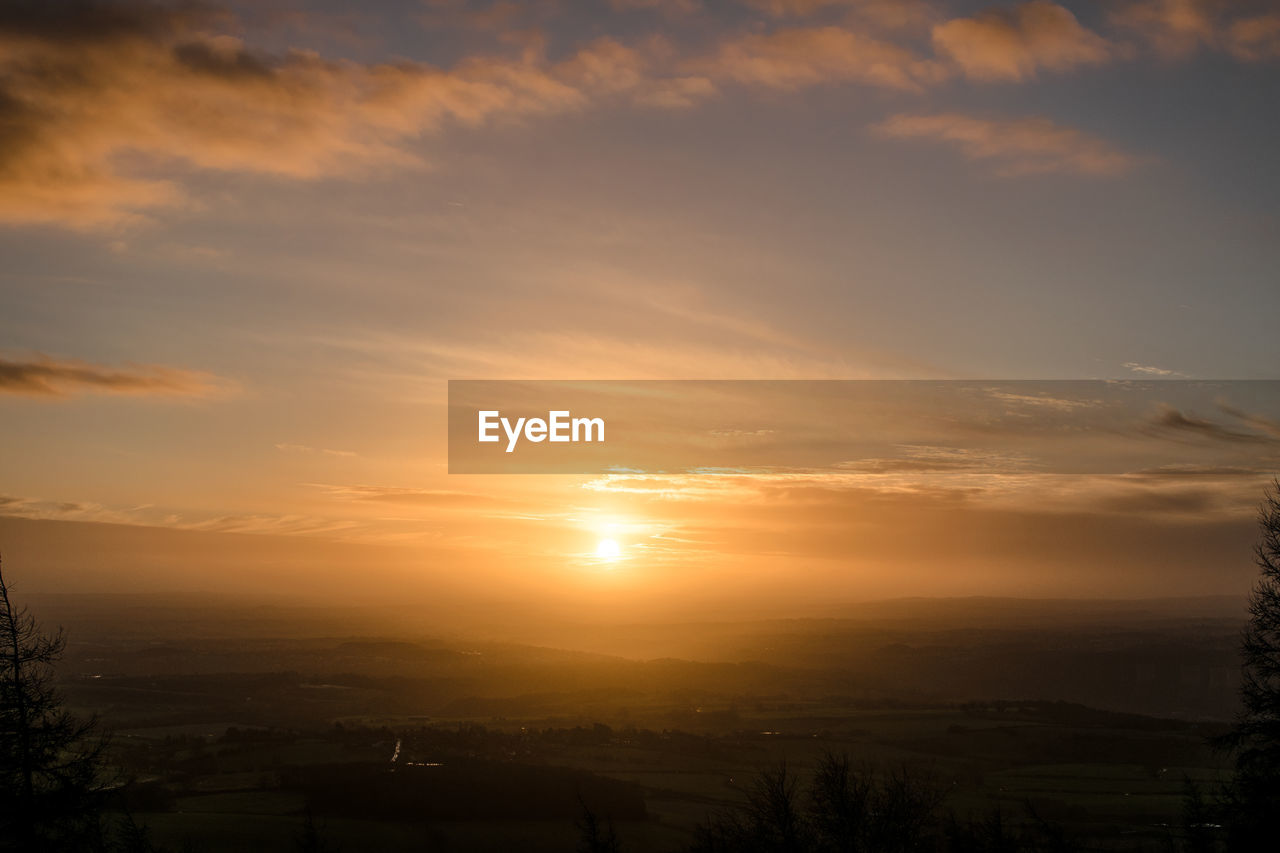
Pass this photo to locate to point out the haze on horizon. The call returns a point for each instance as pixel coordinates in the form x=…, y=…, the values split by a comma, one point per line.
x=246, y=244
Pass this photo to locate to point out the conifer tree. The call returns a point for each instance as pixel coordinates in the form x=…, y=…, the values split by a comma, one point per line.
x=50, y=761
x=1254, y=797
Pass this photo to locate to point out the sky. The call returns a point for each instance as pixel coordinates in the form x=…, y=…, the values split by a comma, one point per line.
x=245, y=245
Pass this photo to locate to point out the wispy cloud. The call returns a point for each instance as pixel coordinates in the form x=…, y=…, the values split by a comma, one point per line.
x=42, y=376
x=935, y=478
x=404, y=495
x=1255, y=39
x=1150, y=370
x=922, y=459
x=1173, y=28
x=885, y=14
x=675, y=8
x=68, y=510
x=1042, y=400
x=1022, y=146
x=323, y=451
x=799, y=57
x=1177, y=29
x=294, y=525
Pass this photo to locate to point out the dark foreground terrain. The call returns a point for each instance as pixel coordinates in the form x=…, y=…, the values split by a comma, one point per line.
x=255, y=729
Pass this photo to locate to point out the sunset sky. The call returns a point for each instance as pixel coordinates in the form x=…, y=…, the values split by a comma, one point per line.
x=245, y=245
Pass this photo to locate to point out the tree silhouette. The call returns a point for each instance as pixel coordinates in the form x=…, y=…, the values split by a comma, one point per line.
x=862, y=809
x=1254, y=796
x=50, y=761
x=311, y=838
x=593, y=835
x=134, y=837
x=773, y=808
x=843, y=810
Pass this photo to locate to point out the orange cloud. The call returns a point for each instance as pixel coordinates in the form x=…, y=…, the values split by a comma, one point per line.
x=1255, y=39
x=500, y=16
x=42, y=376
x=93, y=99
x=666, y=7
x=1174, y=28
x=97, y=98
x=798, y=8
x=808, y=56
x=1025, y=146
x=607, y=66
x=1015, y=44
x=886, y=14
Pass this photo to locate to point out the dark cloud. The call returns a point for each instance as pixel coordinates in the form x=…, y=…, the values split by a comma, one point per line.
x=1173, y=423
x=1157, y=501
x=1172, y=472
x=96, y=20
x=1267, y=425
x=203, y=58
x=47, y=377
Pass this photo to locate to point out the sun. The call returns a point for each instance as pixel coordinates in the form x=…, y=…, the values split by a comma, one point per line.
x=608, y=549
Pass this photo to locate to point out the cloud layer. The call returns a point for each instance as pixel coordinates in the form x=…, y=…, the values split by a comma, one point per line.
x=105, y=106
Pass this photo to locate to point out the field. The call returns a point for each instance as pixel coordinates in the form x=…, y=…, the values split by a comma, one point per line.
x=233, y=733
x=1109, y=779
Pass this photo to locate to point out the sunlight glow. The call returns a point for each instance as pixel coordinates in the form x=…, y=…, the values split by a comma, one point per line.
x=608, y=549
